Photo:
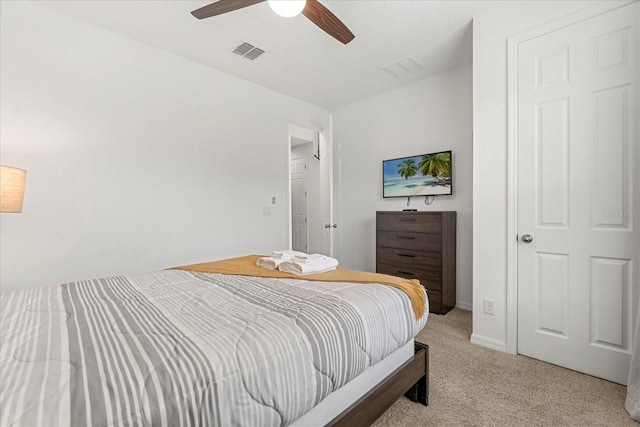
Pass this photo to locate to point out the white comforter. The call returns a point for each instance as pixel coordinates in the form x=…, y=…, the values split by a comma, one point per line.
x=180, y=348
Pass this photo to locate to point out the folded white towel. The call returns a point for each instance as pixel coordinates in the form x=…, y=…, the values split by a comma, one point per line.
x=269, y=263
x=310, y=259
x=286, y=254
x=301, y=269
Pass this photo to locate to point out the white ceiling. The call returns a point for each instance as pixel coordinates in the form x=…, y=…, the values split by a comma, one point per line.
x=301, y=60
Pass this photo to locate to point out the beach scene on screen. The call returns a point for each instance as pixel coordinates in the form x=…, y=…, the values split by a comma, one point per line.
x=424, y=175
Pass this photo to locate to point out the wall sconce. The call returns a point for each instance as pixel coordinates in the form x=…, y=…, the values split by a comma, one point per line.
x=12, y=182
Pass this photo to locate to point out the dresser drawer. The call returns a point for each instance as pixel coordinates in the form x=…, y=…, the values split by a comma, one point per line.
x=422, y=246
x=429, y=278
x=409, y=240
x=426, y=223
x=409, y=257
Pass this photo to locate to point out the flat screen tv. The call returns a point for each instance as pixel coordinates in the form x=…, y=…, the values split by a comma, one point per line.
x=422, y=175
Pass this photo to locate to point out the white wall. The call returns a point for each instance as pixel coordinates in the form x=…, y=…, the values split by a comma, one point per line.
x=490, y=197
x=137, y=159
x=430, y=115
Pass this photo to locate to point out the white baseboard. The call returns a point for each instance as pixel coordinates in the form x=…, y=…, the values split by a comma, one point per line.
x=464, y=305
x=489, y=342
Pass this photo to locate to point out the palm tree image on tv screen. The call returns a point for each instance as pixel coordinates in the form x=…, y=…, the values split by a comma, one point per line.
x=423, y=175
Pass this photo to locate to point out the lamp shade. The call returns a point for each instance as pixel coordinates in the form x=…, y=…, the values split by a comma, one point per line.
x=12, y=182
x=287, y=8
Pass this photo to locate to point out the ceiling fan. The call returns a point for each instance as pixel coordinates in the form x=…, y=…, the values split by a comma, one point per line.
x=312, y=9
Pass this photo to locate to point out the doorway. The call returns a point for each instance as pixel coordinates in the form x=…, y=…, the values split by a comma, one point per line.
x=310, y=199
x=299, y=197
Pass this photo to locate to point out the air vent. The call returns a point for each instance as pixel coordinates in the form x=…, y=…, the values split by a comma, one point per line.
x=403, y=67
x=249, y=51
x=254, y=53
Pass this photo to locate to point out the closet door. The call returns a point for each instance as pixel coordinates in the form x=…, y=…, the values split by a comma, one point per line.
x=578, y=194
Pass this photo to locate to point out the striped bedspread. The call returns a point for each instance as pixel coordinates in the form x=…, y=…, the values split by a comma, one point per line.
x=179, y=348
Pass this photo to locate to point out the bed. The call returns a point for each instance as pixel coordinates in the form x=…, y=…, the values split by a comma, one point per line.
x=211, y=344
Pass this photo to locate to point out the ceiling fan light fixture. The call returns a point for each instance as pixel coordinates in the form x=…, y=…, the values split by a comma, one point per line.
x=287, y=8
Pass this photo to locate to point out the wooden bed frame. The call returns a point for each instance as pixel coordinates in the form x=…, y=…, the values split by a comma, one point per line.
x=410, y=379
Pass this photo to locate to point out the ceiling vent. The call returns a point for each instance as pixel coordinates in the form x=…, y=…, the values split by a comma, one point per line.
x=249, y=51
x=403, y=67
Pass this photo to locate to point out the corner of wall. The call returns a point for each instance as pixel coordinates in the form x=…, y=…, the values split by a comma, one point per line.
x=463, y=305
x=488, y=342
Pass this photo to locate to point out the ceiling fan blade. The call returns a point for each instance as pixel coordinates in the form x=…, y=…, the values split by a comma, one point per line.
x=222, y=6
x=327, y=21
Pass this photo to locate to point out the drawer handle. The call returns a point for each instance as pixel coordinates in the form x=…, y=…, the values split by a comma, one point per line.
x=407, y=255
x=407, y=237
x=407, y=219
x=406, y=273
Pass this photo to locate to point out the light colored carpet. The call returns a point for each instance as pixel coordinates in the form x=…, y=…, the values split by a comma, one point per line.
x=476, y=386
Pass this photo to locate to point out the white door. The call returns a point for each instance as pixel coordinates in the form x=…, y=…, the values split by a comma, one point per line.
x=578, y=194
x=299, y=230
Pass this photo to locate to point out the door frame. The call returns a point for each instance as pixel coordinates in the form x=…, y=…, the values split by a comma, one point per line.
x=325, y=156
x=513, y=44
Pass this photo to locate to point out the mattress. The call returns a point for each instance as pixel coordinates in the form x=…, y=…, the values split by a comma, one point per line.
x=183, y=348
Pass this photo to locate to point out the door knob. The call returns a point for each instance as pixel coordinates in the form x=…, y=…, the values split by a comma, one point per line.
x=331, y=226
x=527, y=238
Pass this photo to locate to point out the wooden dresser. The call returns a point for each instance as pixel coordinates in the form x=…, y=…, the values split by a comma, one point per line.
x=420, y=245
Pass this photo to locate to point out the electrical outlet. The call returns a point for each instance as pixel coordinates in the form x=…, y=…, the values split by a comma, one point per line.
x=266, y=211
x=488, y=306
